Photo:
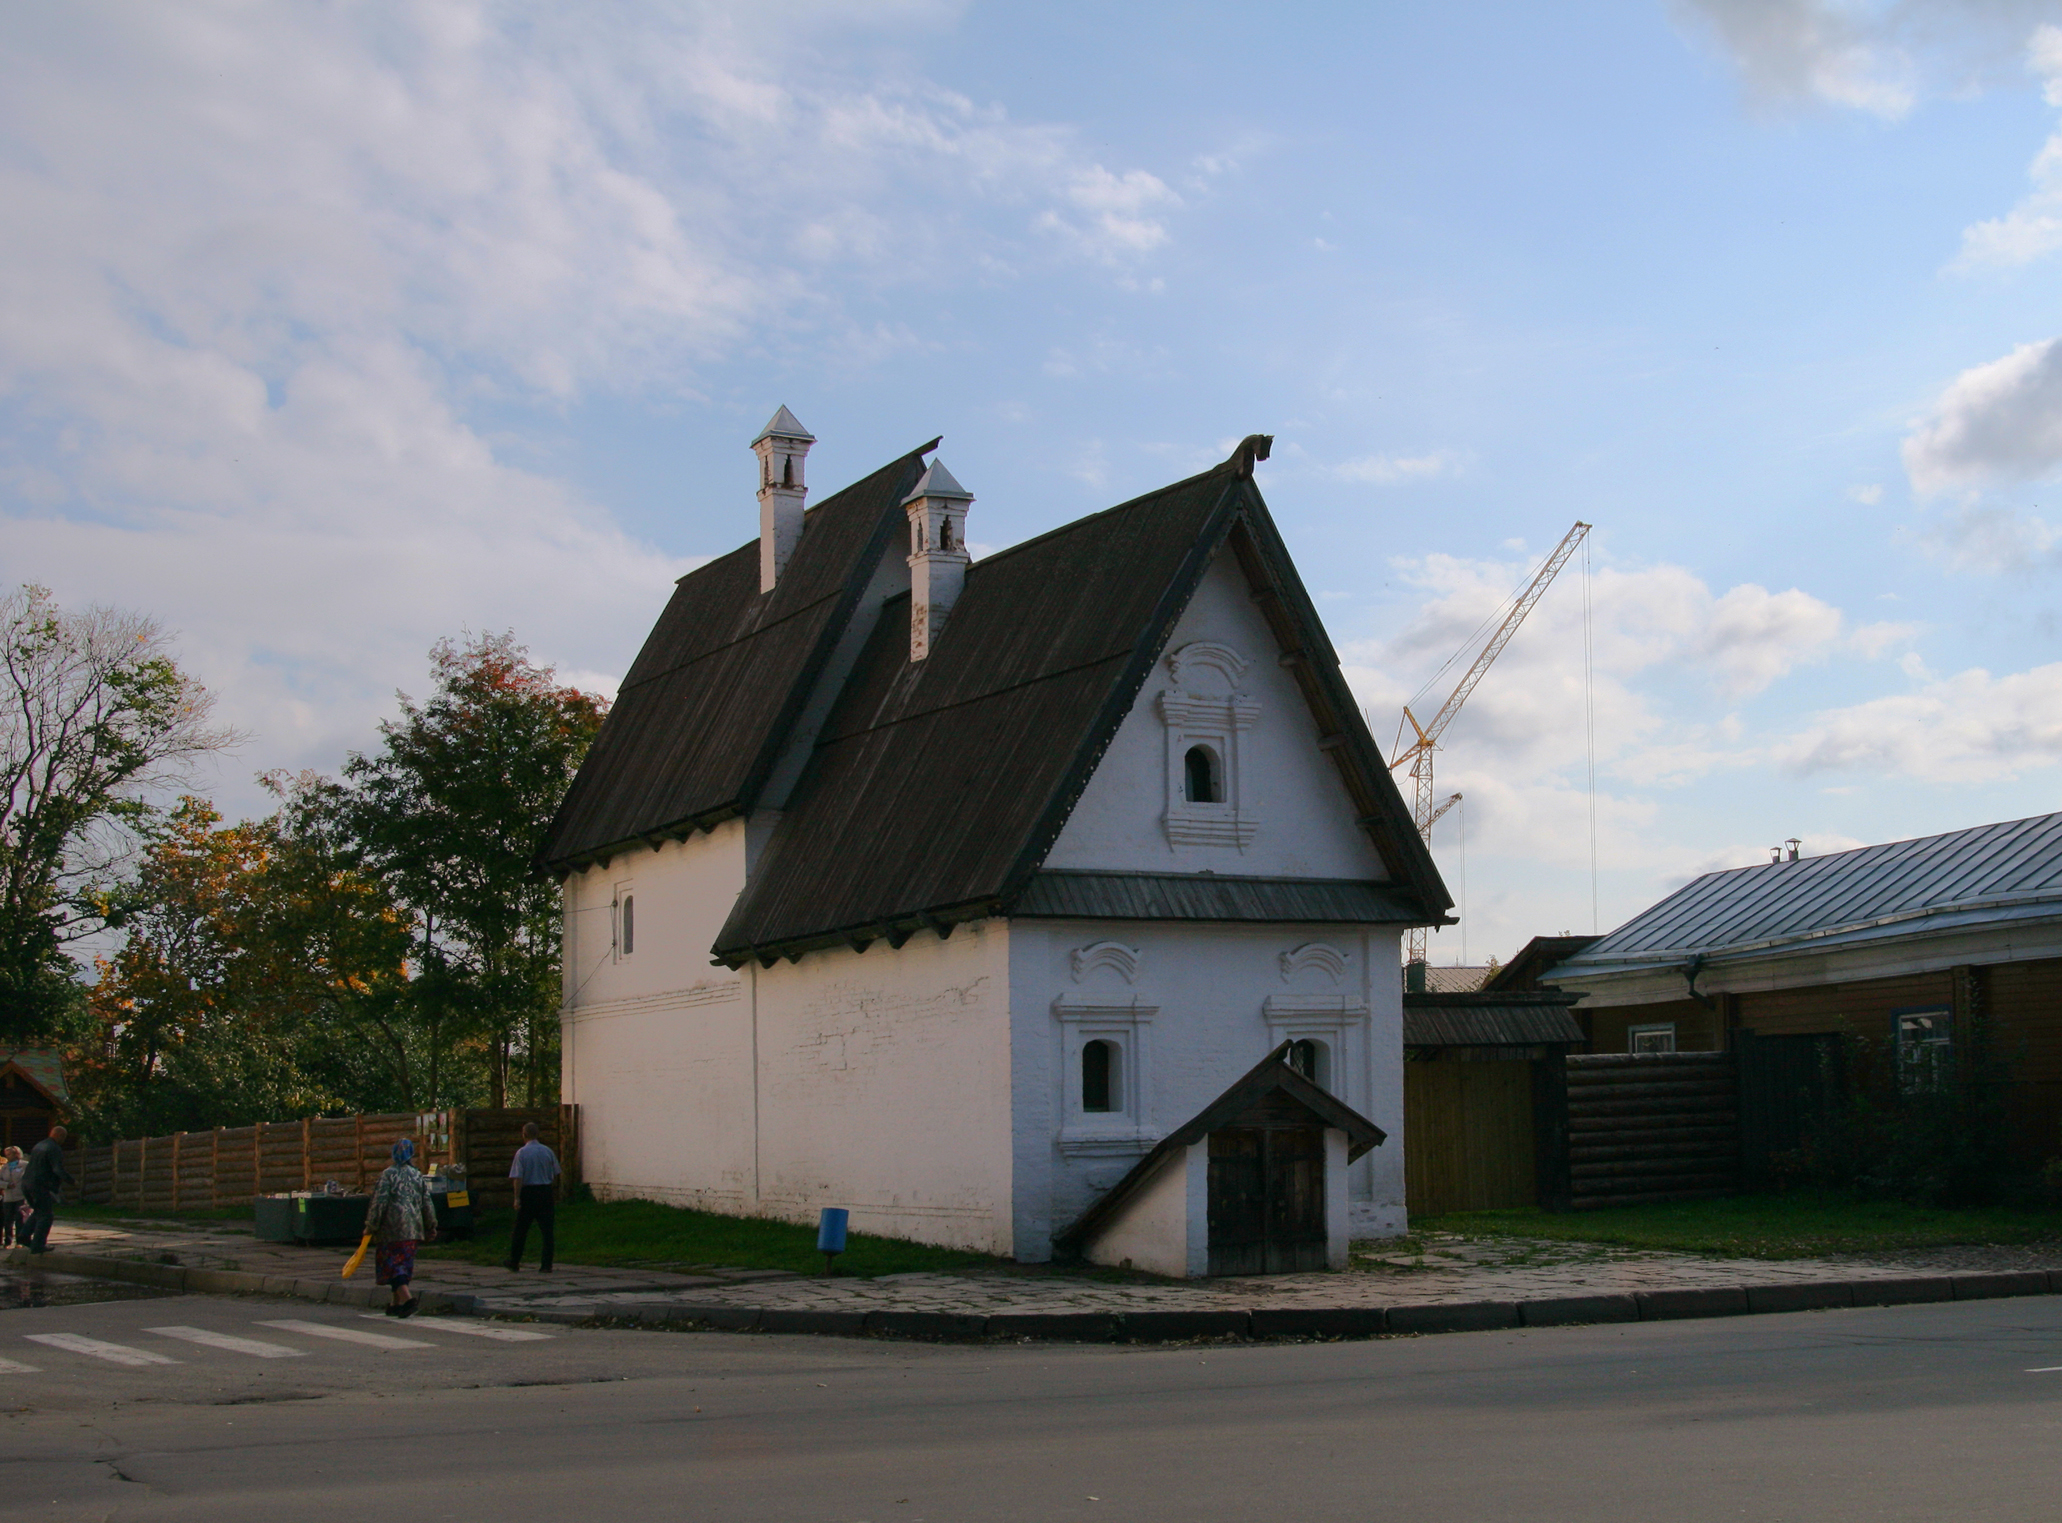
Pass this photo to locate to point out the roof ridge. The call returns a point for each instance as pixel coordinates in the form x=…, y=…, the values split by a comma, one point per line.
x=1849, y=851
x=1071, y=525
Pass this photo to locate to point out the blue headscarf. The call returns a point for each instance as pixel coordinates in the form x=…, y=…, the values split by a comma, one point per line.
x=404, y=1150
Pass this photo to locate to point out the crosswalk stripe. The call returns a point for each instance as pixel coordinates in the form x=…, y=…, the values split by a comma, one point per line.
x=113, y=1353
x=15, y=1367
x=346, y=1334
x=257, y=1348
x=475, y=1329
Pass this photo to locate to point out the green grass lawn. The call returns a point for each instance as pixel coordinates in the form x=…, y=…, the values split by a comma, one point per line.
x=641, y=1232
x=1790, y=1226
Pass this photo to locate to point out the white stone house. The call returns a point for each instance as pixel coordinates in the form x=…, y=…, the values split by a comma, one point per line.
x=944, y=891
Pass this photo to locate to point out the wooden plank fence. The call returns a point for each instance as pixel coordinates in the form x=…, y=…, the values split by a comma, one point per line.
x=229, y=1166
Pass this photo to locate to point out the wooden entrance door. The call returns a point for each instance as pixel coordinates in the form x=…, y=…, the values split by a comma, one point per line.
x=1267, y=1200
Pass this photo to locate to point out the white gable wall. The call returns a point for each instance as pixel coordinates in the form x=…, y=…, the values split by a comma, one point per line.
x=1302, y=818
x=1192, y=1006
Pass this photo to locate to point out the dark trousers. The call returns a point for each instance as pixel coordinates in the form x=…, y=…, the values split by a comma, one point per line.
x=43, y=1210
x=533, y=1204
x=11, y=1223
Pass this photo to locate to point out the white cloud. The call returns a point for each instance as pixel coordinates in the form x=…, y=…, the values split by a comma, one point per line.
x=2034, y=227
x=1813, y=49
x=1971, y=727
x=1651, y=626
x=1984, y=537
x=1877, y=56
x=2001, y=420
x=1869, y=495
x=1388, y=470
x=1751, y=636
x=266, y=264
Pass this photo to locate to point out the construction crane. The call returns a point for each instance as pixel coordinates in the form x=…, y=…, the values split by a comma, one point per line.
x=1418, y=753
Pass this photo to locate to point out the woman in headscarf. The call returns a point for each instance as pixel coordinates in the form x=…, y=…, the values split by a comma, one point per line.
x=400, y=1216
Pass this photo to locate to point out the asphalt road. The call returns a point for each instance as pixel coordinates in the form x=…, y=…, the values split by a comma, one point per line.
x=1932, y=1413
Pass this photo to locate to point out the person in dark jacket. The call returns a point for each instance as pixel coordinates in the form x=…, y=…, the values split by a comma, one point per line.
x=41, y=1183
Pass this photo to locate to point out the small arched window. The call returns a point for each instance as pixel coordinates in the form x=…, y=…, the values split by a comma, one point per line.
x=629, y=924
x=1308, y=1059
x=1199, y=775
x=1098, y=1075
x=945, y=533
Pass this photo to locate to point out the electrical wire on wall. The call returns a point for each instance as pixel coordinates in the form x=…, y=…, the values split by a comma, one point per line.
x=1589, y=720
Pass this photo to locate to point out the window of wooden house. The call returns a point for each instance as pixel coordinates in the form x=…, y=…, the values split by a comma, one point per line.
x=1099, y=1076
x=1202, y=779
x=1925, y=1045
x=1659, y=1036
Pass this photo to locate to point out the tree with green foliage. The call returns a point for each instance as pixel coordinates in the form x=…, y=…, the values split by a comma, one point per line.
x=98, y=719
x=259, y=979
x=449, y=816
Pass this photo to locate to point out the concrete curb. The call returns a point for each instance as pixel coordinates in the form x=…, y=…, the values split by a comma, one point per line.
x=225, y=1282
x=1116, y=1327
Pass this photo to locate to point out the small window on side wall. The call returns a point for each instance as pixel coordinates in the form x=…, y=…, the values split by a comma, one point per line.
x=626, y=923
x=1659, y=1037
x=1098, y=1076
x=1202, y=777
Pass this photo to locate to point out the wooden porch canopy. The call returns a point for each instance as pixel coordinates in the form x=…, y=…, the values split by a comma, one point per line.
x=1272, y=1079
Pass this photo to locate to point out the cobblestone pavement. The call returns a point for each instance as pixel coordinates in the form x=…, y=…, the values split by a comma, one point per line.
x=1428, y=1269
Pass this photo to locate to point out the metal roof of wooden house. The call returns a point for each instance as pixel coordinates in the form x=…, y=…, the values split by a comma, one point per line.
x=1963, y=878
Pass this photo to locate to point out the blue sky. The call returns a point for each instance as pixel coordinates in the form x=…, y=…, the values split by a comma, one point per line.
x=332, y=329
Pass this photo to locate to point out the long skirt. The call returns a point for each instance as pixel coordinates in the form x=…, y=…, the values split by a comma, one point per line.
x=394, y=1263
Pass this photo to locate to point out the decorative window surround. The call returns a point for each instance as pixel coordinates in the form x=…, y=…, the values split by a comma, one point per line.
x=1215, y=721
x=1314, y=954
x=1114, y=955
x=1120, y=1131
x=1312, y=1012
x=1331, y=1019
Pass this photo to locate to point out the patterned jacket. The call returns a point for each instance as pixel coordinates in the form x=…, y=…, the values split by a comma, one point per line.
x=401, y=1209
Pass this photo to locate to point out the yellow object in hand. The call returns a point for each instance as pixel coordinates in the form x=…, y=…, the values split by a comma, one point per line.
x=358, y=1257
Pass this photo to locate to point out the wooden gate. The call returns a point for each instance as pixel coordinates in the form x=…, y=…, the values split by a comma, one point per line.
x=1267, y=1199
x=1468, y=1136
x=1790, y=1087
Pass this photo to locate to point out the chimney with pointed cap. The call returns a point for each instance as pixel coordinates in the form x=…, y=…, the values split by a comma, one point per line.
x=782, y=446
x=938, y=556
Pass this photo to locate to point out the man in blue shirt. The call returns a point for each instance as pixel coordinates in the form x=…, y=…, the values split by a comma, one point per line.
x=534, y=1170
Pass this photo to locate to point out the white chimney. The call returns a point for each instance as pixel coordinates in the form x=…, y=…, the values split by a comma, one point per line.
x=782, y=446
x=938, y=556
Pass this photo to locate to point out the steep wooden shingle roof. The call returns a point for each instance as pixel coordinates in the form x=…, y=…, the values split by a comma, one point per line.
x=709, y=702
x=938, y=786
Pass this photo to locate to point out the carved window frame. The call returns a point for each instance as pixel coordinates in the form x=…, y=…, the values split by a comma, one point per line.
x=1219, y=722
x=1125, y=1024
